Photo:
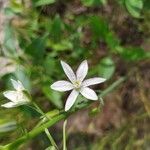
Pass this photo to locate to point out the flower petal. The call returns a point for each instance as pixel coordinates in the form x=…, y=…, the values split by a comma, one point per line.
x=88, y=93
x=17, y=85
x=82, y=70
x=68, y=71
x=71, y=99
x=9, y=105
x=62, y=86
x=92, y=81
x=11, y=95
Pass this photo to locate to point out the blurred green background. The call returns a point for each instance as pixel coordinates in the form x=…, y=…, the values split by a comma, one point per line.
x=113, y=35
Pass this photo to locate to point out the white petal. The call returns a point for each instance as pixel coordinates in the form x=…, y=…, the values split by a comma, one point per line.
x=17, y=85
x=82, y=70
x=11, y=95
x=9, y=105
x=71, y=99
x=68, y=71
x=88, y=93
x=62, y=86
x=20, y=86
x=92, y=81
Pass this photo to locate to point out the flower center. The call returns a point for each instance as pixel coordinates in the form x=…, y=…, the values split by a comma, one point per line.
x=77, y=84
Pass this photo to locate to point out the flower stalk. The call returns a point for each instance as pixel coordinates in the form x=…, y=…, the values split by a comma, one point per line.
x=64, y=135
x=52, y=141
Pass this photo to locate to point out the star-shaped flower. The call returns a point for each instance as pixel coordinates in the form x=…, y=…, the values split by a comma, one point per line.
x=17, y=97
x=77, y=84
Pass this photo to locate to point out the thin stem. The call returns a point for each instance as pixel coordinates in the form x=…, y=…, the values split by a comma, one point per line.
x=50, y=138
x=112, y=86
x=39, y=110
x=52, y=141
x=35, y=132
x=64, y=135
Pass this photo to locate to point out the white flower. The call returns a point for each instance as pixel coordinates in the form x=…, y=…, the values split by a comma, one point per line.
x=77, y=84
x=17, y=97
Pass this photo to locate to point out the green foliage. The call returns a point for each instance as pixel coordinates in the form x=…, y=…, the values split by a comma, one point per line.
x=37, y=49
x=134, y=54
x=99, y=27
x=146, y=4
x=56, y=28
x=53, y=96
x=43, y=2
x=106, y=68
x=9, y=41
x=134, y=7
x=90, y=3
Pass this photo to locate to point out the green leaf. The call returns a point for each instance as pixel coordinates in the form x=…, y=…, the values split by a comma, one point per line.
x=134, y=7
x=50, y=63
x=61, y=46
x=133, y=53
x=44, y=2
x=56, y=28
x=112, y=41
x=89, y=3
x=16, y=6
x=106, y=68
x=9, y=12
x=29, y=111
x=37, y=48
x=147, y=5
x=10, y=41
x=53, y=96
x=99, y=27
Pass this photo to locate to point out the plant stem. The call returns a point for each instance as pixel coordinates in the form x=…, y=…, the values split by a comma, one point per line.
x=113, y=86
x=38, y=109
x=51, y=138
x=52, y=141
x=64, y=135
x=63, y=115
x=35, y=132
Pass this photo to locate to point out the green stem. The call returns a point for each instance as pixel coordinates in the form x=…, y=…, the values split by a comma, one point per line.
x=38, y=109
x=51, y=138
x=35, y=132
x=113, y=86
x=63, y=115
x=52, y=141
x=64, y=135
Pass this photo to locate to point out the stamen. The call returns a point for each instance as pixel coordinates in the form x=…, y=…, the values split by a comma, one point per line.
x=77, y=84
